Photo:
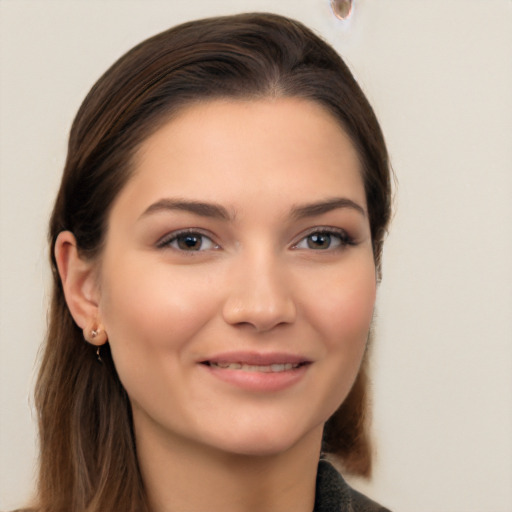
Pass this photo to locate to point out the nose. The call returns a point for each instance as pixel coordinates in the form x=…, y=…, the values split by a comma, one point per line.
x=260, y=295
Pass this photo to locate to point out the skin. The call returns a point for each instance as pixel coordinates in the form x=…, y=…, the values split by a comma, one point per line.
x=260, y=283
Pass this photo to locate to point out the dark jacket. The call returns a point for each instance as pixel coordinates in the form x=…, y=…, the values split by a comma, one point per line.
x=333, y=494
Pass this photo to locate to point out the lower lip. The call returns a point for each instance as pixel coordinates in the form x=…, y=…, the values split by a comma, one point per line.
x=258, y=381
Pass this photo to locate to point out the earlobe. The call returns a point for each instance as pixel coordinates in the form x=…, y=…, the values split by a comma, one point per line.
x=95, y=334
x=78, y=280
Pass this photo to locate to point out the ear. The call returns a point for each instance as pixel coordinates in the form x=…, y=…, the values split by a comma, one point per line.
x=78, y=279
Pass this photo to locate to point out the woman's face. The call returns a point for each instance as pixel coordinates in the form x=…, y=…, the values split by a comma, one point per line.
x=237, y=283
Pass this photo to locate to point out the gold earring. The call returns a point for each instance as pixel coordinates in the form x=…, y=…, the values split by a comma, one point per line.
x=95, y=336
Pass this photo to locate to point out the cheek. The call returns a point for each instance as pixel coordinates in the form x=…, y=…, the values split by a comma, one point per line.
x=345, y=315
x=147, y=310
x=346, y=310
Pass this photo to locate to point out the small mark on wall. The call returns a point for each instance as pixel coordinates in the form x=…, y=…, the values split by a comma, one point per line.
x=341, y=8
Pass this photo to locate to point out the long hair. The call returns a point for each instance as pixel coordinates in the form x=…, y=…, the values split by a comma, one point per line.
x=88, y=458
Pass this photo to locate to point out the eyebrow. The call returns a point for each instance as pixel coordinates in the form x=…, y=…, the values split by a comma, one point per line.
x=198, y=207
x=320, y=207
x=217, y=211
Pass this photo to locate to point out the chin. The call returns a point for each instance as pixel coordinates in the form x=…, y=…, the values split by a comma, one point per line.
x=267, y=442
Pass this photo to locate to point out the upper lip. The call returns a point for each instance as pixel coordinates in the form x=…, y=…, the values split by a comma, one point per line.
x=257, y=358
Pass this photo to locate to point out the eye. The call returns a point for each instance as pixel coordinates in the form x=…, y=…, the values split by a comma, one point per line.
x=188, y=241
x=324, y=239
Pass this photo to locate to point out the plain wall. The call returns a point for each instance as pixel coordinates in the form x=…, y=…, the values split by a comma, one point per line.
x=439, y=75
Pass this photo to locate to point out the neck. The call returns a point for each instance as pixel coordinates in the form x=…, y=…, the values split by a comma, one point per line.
x=183, y=476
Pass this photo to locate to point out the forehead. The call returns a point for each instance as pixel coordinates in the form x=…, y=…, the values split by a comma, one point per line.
x=224, y=150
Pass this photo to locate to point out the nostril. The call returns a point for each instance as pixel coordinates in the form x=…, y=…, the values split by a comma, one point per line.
x=260, y=300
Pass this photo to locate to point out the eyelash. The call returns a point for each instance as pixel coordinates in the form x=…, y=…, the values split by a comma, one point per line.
x=344, y=239
x=167, y=240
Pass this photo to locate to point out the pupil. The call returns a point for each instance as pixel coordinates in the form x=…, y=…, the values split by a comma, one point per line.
x=189, y=242
x=319, y=241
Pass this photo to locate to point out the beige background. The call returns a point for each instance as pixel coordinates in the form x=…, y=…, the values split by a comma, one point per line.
x=439, y=75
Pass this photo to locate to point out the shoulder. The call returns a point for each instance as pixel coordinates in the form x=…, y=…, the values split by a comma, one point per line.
x=333, y=494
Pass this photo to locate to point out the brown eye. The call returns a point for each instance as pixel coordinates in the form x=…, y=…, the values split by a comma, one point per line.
x=189, y=242
x=319, y=241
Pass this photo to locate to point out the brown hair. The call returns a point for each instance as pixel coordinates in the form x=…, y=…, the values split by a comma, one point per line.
x=88, y=456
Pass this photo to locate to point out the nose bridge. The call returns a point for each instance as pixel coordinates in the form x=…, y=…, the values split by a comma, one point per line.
x=260, y=292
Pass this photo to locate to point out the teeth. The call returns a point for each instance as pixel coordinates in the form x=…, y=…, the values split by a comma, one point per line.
x=273, y=368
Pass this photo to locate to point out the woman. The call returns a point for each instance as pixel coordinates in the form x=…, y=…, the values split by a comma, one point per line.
x=216, y=241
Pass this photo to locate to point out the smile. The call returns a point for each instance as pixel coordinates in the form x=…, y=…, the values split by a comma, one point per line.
x=272, y=368
x=257, y=372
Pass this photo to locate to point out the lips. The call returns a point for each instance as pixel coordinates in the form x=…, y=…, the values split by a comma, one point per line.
x=258, y=371
x=272, y=368
x=253, y=360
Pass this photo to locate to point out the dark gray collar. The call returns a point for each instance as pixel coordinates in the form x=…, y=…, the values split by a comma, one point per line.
x=333, y=494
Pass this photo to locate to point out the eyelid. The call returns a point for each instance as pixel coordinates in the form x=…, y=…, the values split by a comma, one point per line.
x=165, y=241
x=342, y=234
